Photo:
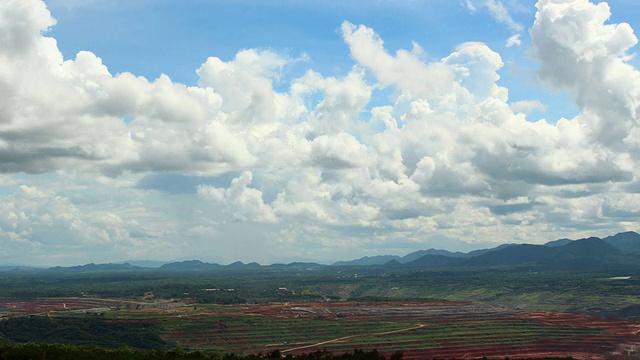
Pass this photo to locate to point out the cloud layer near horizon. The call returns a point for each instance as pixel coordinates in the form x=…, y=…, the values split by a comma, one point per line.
x=318, y=167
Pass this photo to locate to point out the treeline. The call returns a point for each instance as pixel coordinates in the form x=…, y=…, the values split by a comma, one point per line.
x=43, y=351
x=82, y=331
x=235, y=287
x=33, y=351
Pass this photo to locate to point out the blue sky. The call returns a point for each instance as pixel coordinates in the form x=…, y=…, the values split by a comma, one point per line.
x=285, y=131
x=151, y=38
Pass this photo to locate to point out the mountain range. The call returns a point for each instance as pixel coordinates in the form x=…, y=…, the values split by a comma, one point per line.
x=621, y=249
x=617, y=251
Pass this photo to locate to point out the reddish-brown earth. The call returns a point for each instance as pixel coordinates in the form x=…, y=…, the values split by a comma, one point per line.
x=80, y=304
x=617, y=338
x=471, y=330
x=10, y=306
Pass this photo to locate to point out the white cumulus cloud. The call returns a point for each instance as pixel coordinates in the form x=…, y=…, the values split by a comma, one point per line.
x=320, y=161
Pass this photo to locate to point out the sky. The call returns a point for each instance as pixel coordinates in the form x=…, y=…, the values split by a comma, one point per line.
x=280, y=131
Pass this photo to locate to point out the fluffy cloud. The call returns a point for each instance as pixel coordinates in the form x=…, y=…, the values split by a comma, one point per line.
x=244, y=202
x=39, y=224
x=57, y=113
x=526, y=106
x=578, y=51
x=413, y=77
x=319, y=161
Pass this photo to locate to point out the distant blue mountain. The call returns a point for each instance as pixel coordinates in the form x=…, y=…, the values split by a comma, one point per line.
x=626, y=241
x=18, y=268
x=437, y=261
x=240, y=264
x=479, y=252
x=146, y=263
x=189, y=265
x=368, y=261
x=583, y=254
x=412, y=257
x=560, y=242
x=95, y=268
x=420, y=253
x=617, y=251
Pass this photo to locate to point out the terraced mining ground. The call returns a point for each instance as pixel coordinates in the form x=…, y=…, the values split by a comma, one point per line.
x=433, y=329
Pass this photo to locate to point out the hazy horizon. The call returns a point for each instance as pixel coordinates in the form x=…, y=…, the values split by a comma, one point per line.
x=158, y=263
